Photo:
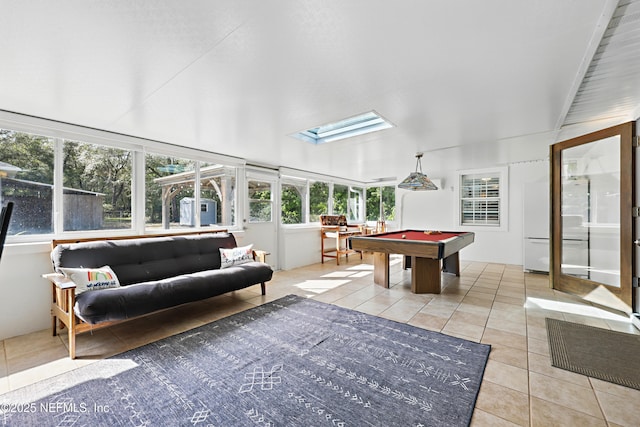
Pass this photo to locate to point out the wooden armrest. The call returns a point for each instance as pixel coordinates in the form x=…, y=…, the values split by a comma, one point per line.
x=260, y=255
x=60, y=280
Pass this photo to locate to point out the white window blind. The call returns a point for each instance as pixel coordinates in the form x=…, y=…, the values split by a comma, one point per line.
x=480, y=199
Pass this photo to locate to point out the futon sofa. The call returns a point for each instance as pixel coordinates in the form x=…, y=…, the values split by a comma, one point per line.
x=126, y=278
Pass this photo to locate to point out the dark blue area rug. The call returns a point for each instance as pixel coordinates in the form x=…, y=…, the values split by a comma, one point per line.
x=291, y=362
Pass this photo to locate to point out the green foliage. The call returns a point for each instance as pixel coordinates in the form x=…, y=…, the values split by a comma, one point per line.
x=99, y=169
x=318, y=200
x=340, y=197
x=32, y=153
x=291, y=205
x=376, y=196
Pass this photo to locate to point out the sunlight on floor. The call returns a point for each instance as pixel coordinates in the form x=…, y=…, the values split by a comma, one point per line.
x=320, y=286
x=565, y=307
x=108, y=368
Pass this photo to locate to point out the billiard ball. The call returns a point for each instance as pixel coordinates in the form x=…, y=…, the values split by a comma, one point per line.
x=404, y=236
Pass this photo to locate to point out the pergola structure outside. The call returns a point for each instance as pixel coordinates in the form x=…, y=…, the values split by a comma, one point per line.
x=173, y=184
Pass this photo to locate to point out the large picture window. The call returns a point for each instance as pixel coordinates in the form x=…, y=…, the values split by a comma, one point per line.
x=483, y=195
x=169, y=184
x=381, y=203
x=26, y=179
x=293, y=201
x=318, y=200
x=96, y=187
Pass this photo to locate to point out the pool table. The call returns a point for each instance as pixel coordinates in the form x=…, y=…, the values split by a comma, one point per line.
x=423, y=251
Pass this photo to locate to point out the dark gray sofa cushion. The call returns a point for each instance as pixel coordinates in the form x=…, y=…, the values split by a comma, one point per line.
x=142, y=298
x=156, y=273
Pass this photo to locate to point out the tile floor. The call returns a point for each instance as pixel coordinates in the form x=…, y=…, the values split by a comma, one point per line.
x=490, y=303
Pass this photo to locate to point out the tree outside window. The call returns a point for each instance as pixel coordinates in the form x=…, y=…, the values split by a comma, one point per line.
x=260, y=201
x=97, y=187
x=340, y=197
x=293, y=197
x=318, y=200
x=381, y=203
x=26, y=178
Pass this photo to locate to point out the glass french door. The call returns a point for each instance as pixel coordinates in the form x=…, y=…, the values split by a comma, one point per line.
x=592, y=236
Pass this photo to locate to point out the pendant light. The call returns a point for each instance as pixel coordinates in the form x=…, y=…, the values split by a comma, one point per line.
x=417, y=181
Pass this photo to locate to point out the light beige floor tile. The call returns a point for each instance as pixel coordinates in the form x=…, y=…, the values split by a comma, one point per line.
x=615, y=389
x=498, y=337
x=498, y=322
x=542, y=365
x=485, y=419
x=503, y=402
x=509, y=356
x=463, y=328
x=471, y=318
x=564, y=393
x=538, y=346
x=545, y=413
x=507, y=376
x=619, y=410
x=426, y=321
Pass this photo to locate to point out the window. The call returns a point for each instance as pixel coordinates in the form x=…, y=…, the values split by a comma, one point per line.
x=356, y=204
x=381, y=203
x=293, y=201
x=96, y=187
x=483, y=197
x=340, y=196
x=169, y=185
x=26, y=178
x=260, y=201
x=218, y=193
x=318, y=200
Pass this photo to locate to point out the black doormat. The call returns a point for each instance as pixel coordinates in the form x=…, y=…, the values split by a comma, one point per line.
x=599, y=353
x=291, y=362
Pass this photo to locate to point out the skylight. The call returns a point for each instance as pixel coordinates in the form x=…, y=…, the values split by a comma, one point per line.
x=346, y=128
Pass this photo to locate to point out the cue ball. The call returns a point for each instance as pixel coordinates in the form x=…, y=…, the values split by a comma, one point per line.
x=404, y=236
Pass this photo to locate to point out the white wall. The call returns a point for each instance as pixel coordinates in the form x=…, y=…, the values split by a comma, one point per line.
x=25, y=302
x=436, y=210
x=25, y=305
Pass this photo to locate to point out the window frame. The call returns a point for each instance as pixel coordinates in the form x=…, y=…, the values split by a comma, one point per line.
x=502, y=173
x=58, y=132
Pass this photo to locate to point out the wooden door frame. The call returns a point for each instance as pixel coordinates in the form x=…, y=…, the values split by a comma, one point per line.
x=618, y=298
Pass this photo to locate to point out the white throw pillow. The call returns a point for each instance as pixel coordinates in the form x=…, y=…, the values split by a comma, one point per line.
x=235, y=256
x=92, y=279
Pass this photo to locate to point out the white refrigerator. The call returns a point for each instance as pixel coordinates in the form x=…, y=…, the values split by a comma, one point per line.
x=575, y=244
x=536, y=226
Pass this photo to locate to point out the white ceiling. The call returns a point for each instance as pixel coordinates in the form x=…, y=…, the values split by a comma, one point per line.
x=468, y=82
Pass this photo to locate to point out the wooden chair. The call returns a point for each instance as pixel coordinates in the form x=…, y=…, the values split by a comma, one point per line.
x=335, y=227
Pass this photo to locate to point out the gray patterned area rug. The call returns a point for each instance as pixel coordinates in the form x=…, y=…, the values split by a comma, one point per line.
x=291, y=362
x=599, y=353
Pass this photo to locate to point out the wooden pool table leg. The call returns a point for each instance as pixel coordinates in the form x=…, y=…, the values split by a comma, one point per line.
x=425, y=275
x=451, y=264
x=381, y=269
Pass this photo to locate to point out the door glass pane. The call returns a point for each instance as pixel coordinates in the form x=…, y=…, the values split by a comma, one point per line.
x=591, y=211
x=260, y=201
